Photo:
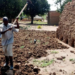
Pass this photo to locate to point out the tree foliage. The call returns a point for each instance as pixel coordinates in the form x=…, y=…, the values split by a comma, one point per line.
x=10, y=8
x=62, y=4
x=37, y=7
x=65, y=2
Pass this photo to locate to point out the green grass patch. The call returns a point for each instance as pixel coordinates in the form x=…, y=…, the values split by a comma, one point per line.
x=26, y=28
x=54, y=52
x=38, y=41
x=39, y=22
x=46, y=63
x=44, y=16
x=43, y=63
x=22, y=47
x=46, y=43
x=36, y=61
x=72, y=59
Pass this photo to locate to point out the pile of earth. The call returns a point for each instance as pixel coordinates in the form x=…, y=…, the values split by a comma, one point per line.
x=24, y=43
x=66, y=29
x=25, y=48
x=26, y=70
x=20, y=69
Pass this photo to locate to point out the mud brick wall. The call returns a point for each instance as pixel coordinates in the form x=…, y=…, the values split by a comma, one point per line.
x=53, y=18
x=66, y=29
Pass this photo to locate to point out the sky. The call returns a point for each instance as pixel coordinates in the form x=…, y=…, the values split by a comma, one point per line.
x=53, y=6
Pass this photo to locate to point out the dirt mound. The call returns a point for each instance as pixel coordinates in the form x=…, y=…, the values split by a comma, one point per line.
x=21, y=70
x=27, y=70
x=24, y=43
x=66, y=30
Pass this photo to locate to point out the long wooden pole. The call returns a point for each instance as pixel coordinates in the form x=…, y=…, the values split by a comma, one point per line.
x=21, y=12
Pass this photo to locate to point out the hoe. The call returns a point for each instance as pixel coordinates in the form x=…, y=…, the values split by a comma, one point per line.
x=28, y=2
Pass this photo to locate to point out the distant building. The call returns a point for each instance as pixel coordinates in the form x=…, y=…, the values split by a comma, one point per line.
x=37, y=18
x=53, y=17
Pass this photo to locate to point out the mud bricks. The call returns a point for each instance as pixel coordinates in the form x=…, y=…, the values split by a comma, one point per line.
x=66, y=29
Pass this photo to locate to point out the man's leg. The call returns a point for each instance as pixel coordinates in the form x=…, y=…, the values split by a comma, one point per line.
x=6, y=56
x=11, y=62
x=10, y=54
x=7, y=60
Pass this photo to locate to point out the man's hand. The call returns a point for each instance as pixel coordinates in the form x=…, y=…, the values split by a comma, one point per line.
x=17, y=20
x=2, y=32
x=10, y=29
x=6, y=31
x=17, y=23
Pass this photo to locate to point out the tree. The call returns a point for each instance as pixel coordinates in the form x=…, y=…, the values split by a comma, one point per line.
x=59, y=2
x=37, y=7
x=62, y=4
x=65, y=2
x=10, y=8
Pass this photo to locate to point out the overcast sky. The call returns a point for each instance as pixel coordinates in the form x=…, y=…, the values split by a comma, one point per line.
x=53, y=6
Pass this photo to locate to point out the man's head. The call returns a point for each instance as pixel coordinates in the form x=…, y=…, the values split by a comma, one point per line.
x=5, y=20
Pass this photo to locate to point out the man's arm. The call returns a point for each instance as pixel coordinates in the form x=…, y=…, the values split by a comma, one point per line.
x=3, y=32
x=17, y=24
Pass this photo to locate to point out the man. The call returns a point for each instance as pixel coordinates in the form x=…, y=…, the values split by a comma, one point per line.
x=6, y=30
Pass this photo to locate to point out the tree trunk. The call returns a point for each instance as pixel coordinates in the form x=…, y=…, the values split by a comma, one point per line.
x=31, y=19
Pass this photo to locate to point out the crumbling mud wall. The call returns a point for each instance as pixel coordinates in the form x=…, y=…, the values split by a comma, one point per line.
x=66, y=29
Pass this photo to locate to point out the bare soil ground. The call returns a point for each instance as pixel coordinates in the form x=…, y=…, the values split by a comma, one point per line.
x=48, y=56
